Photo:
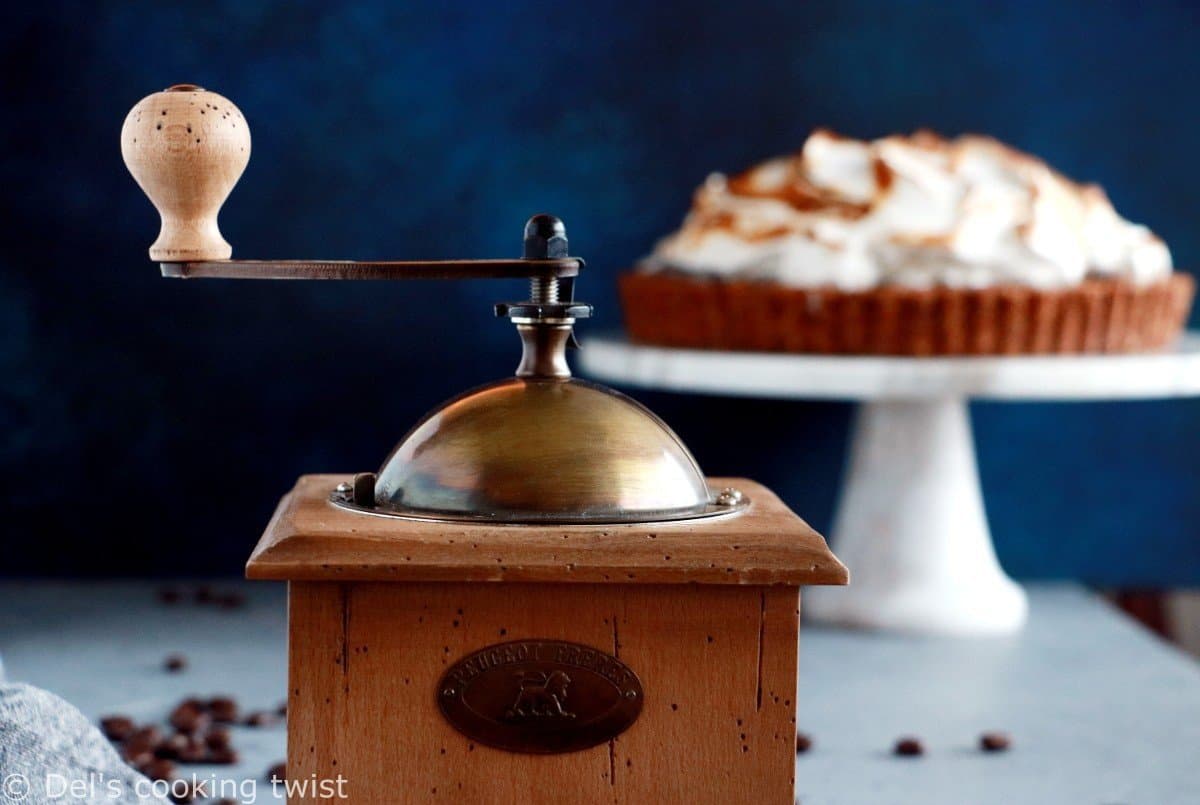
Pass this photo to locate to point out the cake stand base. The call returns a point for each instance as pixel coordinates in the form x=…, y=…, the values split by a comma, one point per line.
x=911, y=526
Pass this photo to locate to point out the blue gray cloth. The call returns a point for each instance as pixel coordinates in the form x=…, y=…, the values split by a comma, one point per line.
x=46, y=745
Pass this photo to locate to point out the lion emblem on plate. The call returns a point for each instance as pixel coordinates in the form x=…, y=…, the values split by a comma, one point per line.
x=540, y=695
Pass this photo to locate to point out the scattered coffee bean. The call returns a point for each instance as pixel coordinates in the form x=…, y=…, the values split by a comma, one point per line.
x=803, y=743
x=217, y=738
x=136, y=755
x=174, y=747
x=994, y=741
x=169, y=595
x=139, y=747
x=204, y=594
x=158, y=769
x=908, y=747
x=231, y=600
x=182, y=793
x=224, y=709
x=260, y=718
x=117, y=728
x=189, y=716
x=187, y=748
x=195, y=753
x=281, y=710
x=174, y=663
x=277, y=772
x=196, y=739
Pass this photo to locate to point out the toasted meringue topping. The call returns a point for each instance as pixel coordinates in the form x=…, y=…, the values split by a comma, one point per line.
x=916, y=211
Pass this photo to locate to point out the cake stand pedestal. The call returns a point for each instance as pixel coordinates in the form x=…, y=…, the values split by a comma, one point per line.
x=910, y=523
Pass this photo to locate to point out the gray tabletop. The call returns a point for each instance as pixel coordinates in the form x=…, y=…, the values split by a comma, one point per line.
x=1099, y=710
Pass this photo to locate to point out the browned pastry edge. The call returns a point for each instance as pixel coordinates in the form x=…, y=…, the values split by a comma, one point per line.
x=1099, y=315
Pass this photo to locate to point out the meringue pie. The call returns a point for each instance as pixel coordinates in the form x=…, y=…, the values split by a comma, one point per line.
x=912, y=245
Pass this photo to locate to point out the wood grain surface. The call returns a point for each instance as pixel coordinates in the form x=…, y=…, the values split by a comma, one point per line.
x=186, y=147
x=718, y=666
x=310, y=539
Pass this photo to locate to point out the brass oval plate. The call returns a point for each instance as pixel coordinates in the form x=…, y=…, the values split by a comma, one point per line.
x=540, y=696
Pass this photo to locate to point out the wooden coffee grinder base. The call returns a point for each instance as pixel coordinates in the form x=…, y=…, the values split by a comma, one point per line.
x=695, y=622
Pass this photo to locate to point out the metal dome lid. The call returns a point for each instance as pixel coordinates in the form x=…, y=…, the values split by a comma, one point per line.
x=541, y=447
x=536, y=450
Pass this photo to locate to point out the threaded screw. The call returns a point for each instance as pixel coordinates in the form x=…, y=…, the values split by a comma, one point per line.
x=543, y=290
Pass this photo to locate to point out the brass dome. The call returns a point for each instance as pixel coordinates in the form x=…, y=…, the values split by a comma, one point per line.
x=543, y=450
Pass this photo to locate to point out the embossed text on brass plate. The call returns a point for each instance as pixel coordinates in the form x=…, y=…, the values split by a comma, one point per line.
x=540, y=696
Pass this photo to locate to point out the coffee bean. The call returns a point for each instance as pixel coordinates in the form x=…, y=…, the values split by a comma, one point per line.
x=217, y=738
x=174, y=663
x=117, y=728
x=158, y=769
x=277, y=772
x=224, y=709
x=137, y=756
x=223, y=757
x=260, y=718
x=189, y=717
x=204, y=594
x=281, y=710
x=144, y=739
x=231, y=601
x=195, y=753
x=908, y=747
x=169, y=595
x=187, y=793
x=139, y=747
x=174, y=747
x=994, y=741
x=803, y=743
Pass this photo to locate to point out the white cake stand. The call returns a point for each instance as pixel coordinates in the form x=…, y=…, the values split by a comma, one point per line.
x=910, y=523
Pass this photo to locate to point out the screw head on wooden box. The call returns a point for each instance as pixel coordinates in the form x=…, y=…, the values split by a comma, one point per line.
x=539, y=596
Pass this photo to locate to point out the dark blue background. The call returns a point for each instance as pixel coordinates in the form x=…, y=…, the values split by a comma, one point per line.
x=149, y=426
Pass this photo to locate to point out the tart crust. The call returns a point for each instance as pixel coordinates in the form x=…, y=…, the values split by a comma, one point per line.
x=1098, y=315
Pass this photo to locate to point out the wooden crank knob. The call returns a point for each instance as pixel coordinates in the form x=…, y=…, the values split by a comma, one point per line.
x=186, y=147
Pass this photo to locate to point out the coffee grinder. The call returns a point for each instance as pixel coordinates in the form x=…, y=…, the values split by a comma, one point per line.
x=538, y=597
